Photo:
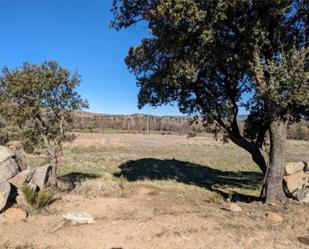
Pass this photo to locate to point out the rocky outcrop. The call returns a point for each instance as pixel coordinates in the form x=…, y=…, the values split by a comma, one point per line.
x=22, y=177
x=294, y=167
x=8, y=169
x=8, y=165
x=40, y=176
x=5, y=190
x=12, y=178
x=5, y=153
x=297, y=180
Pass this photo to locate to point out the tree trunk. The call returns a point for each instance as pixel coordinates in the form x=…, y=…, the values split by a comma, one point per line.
x=52, y=182
x=277, y=157
x=254, y=151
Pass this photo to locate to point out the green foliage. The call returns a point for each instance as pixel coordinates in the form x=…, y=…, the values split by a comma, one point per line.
x=30, y=139
x=206, y=55
x=36, y=199
x=40, y=100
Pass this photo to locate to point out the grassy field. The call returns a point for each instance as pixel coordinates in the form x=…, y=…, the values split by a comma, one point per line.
x=182, y=166
x=160, y=191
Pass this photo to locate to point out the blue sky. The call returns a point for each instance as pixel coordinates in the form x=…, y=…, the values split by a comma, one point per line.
x=77, y=35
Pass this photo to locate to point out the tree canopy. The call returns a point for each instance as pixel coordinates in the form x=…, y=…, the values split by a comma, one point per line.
x=213, y=57
x=40, y=99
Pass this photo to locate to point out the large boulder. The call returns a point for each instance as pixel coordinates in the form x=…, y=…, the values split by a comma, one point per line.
x=293, y=167
x=5, y=153
x=296, y=181
x=22, y=177
x=40, y=176
x=5, y=190
x=8, y=169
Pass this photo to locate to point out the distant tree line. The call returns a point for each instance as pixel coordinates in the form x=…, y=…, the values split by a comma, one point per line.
x=135, y=122
x=177, y=124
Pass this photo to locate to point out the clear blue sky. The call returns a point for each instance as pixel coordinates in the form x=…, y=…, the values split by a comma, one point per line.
x=77, y=35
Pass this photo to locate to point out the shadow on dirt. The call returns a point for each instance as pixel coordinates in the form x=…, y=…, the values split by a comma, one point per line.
x=71, y=180
x=193, y=174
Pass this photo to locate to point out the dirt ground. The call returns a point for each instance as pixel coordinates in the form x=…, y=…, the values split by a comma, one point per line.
x=149, y=219
x=153, y=213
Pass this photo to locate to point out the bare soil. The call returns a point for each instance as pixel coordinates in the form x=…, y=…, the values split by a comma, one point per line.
x=148, y=219
x=163, y=198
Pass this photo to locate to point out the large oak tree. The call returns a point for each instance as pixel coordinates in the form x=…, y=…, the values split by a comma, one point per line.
x=212, y=57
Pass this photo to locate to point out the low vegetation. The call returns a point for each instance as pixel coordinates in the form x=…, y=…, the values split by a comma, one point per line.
x=36, y=199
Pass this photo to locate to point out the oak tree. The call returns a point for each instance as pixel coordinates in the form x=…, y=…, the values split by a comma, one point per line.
x=40, y=99
x=214, y=57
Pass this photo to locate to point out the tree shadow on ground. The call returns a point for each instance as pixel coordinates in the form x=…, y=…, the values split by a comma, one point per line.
x=74, y=178
x=193, y=174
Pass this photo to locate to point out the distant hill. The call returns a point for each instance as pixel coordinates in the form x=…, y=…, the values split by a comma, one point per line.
x=143, y=122
x=138, y=122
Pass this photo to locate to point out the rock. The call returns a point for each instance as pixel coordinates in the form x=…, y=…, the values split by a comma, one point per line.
x=22, y=177
x=20, y=157
x=302, y=194
x=20, y=199
x=274, y=217
x=5, y=153
x=296, y=181
x=235, y=208
x=293, y=167
x=79, y=217
x=5, y=190
x=8, y=169
x=40, y=176
x=15, y=214
x=306, y=198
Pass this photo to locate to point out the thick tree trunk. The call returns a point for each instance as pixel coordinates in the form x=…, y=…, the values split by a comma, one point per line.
x=277, y=157
x=253, y=149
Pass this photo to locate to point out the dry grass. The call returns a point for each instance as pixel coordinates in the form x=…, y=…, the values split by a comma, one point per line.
x=196, y=167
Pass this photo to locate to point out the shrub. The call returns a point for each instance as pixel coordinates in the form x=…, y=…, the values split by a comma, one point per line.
x=35, y=199
x=299, y=132
x=30, y=140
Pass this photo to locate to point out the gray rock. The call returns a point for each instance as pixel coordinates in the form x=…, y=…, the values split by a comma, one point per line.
x=79, y=217
x=8, y=169
x=5, y=153
x=22, y=177
x=302, y=195
x=306, y=198
x=293, y=167
x=235, y=208
x=5, y=190
x=40, y=176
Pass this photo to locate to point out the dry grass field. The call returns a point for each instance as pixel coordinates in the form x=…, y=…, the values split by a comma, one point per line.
x=160, y=191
